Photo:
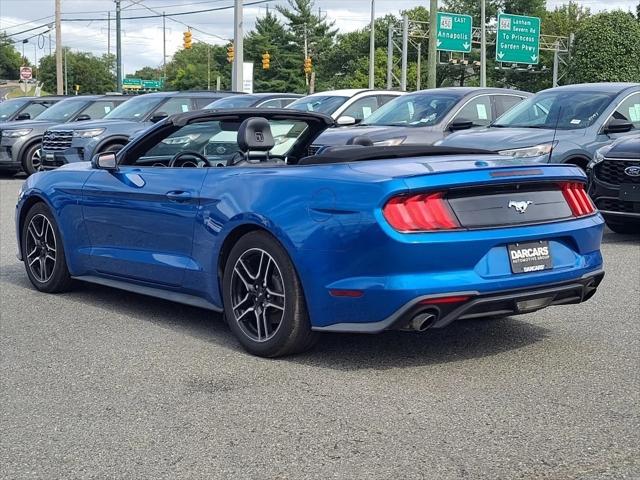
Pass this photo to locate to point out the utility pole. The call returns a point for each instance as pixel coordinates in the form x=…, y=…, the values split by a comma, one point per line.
x=164, y=46
x=390, y=57
x=433, y=45
x=405, y=52
x=238, y=58
x=372, y=47
x=419, y=67
x=483, y=43
x=306, y=53
x=109, y=32
x=118, y=49
x=59, y=85
x=66, y=83
x=208, y=67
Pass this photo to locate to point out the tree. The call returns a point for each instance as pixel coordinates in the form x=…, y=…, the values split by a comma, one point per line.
x=93, y=74
x=303, y=23
x=565, y=19
x=271, y=36
x=472, y=7
x=535, y=8
x=187, y=70
x=148, y=73
x=10, y=59
x=606, y=49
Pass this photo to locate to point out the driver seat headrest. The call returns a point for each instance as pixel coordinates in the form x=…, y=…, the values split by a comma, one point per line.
x=254, y=134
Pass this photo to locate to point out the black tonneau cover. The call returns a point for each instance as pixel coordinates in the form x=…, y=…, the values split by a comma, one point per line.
x=357, y=153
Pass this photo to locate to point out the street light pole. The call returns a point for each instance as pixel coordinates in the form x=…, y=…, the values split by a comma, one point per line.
x=59, y=84
x=118, y=49
x=238, y=58
x=433, y=46
x=372, y=46
x=483, y=44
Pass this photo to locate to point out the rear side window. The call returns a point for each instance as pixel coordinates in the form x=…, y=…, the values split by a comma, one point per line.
x=203, y=102
x=273, y=103
x=382, y=99
x=99, y=109
x=176, y=105
x=505, y=102
x=36, y=108
x=478, y=110
x=362, y=108
x=629, y=110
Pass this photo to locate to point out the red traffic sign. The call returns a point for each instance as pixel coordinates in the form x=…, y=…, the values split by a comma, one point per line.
x=25, y=73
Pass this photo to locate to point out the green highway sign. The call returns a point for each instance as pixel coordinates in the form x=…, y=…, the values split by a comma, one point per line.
x=152, y=84
x=454, y=32
x=518, y=39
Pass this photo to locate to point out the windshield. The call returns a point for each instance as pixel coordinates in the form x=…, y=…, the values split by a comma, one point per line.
x=326, y=104
x=136, y=109
x=418, y=110
x=233, y=102
x=62, y=111
x=560, y=109
x=8, y=108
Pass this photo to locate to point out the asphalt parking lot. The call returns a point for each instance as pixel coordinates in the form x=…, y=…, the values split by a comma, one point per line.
x=100, y=383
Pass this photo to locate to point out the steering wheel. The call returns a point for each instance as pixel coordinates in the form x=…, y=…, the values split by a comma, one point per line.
x=202, y=160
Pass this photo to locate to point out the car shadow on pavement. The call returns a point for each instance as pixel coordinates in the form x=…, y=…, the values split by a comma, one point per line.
x=612, y=238
x=462, y=340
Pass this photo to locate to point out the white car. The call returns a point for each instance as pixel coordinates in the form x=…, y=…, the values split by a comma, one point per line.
x=347, y=107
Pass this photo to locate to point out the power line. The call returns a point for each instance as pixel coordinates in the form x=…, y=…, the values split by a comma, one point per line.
x=141, y=17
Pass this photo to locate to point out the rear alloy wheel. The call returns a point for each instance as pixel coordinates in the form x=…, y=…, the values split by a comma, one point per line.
x=42, y=251
x=264, y=302
x=32, y=159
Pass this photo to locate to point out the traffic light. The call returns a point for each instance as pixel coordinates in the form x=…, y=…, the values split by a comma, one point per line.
x=230, y=53
x=187, y=40
x=266, y=58
x=308, y=66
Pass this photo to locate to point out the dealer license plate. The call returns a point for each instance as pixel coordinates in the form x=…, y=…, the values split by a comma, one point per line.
x=529, y=257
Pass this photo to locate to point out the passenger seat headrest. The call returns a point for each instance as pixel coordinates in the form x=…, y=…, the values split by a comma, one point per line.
x=360, y=140
x=254, y=134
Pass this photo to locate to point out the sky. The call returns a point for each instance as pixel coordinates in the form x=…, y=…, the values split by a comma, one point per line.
x=142, y=38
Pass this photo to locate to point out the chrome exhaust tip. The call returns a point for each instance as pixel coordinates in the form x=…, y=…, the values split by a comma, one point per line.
x=423, y=321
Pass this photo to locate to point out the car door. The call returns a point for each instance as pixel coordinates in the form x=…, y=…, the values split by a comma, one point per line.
x=476, y=110
x=361, y=108
x=140, y=218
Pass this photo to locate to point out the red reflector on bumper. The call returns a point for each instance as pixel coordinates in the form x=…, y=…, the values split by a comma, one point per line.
x=346, y=293
x=452, y=299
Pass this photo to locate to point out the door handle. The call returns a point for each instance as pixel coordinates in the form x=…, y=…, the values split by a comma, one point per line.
x=178, y=196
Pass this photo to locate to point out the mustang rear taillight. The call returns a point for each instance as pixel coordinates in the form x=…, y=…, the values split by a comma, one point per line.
x=577, y=199
x=421, y=212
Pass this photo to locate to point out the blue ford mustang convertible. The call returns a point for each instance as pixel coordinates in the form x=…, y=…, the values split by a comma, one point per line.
x=225, y=210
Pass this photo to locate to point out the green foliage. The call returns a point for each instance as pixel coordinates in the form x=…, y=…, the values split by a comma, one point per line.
x=565, y=19
x=606, y=49
x=93, y=74
x=10, y=59
x=188, y=68
x=148, y=73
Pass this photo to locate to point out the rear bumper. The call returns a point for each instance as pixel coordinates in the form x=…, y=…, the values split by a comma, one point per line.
x=507, y=302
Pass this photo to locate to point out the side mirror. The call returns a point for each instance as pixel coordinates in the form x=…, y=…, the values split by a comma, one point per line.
x=105, y=161
x=616, y=125
x=346, y=120
x=460, y=124
x=83, y=117
x=24, y=116
x=158, y=116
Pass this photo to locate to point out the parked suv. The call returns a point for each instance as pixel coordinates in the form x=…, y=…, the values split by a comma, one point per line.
x=347, y=107
x=26, y=108
x=426, y=116
x=560, y=125
x=20, y=141
x=78, y=143
x=614, y=184
x=255, y=100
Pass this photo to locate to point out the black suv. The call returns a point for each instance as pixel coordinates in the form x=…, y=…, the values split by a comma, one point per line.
x=614, y=184
x=79, y=143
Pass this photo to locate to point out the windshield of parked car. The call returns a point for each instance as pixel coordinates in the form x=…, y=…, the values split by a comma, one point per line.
x=564, y=110
x=417, y=110
x=326, y=104
x=9, y=107
x=63, y=111
x=233, y=102
x=136, y=109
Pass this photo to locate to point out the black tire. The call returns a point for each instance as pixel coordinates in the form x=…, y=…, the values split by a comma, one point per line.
x=114, y=147
x=57, y=278
x=624, y=228
x=293, y=332
x=31, y=158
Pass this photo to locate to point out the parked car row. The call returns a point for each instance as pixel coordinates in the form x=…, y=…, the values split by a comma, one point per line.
x=560, y=125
